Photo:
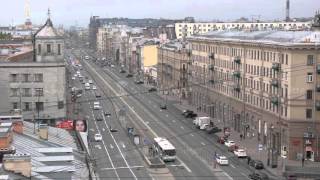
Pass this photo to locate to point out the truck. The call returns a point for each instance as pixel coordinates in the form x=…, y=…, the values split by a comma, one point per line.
x=202, y=122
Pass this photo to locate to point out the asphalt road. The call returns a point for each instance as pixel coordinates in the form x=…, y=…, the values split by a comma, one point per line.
x=195, y=148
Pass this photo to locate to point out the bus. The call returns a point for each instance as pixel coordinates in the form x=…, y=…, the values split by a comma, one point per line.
x=165, y=149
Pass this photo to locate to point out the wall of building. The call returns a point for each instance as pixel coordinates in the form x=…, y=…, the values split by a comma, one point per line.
x=53, y=86
x=149, y=55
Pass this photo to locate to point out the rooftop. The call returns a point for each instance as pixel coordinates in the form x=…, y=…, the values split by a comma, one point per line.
x=267, y=37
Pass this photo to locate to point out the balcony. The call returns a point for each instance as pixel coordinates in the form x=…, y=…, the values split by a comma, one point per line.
x=274, y=100
x=236, y=88
x=211, y=55
x=211, y=81
x=276, y=66
x=275, y=83
x=211, y=67
x=236, y=74
x=237, y=60
x=317, y=105
x=318, y=68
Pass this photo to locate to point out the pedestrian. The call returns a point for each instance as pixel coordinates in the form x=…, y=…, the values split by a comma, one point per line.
x=241, y=136
x=249, y=159
x=302, y=161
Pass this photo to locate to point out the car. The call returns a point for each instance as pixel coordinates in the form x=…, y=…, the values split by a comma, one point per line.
x=152, y=89
x=90, y=81
x=186, y=111
x=99, y=118
x=257, y=164
x=87, y=86
x=97, y=137
x=94, y=87
x=213, y=129
x=229, y=143
x=107, y=114
x=221, y=140
x=163, y=106
x=241, y=153
x=222, y=160
x=129, y=75
x=96, y=105
x=86, y=57
x=73, y=78
x=97, y=94
x=112, y=65
x=139, y=82
x=122, y=71
x=258, y=176
x=191, y=115
x=233, y=148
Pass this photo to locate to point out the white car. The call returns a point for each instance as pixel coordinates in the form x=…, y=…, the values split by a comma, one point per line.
x=94, y=87
x=96, y=105
x=229, y=143
x=90, y=81
x=222, y=160
x=97, y=137
x=241, y=153
x=87, y=86
x=73, y=78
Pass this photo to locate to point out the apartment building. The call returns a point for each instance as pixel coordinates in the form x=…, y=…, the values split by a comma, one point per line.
x=33, y=80
x=263, y=84
x=184, y=30
x=173, y=62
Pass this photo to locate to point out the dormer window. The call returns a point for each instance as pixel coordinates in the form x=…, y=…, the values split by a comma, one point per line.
x=48, y=48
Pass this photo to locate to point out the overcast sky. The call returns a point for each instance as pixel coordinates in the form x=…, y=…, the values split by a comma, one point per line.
x=72, y=12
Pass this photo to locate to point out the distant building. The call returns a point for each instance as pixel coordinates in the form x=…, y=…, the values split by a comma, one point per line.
x=32, y=79
x=184, y=30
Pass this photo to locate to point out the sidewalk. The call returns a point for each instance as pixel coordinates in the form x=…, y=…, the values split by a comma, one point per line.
x=250, y=144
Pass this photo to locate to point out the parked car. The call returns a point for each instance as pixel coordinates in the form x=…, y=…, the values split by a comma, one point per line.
x=221, y=140
x=233, y=148
x=94, y=87
x=189, y=114
x=257, y=164
x=97, y=137
x=222, y=160
x=99, y=118
x=98, y=94
x=107, y=114
x=139, y=82
x=96, y=105
x=152, y=89
x=90, y=81
x=229, y=143
x=213, y=129
x=258, y=176
x=122, y=71
x=129, y=75
x=163, y=106
x=241, y=153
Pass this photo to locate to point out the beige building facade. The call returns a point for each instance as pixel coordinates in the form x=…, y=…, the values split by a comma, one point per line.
x=263, y=84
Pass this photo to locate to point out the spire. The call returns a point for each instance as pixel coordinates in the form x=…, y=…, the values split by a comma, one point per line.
x=49, y=22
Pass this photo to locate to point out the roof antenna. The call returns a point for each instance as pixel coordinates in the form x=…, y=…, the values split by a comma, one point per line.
x=49, y=13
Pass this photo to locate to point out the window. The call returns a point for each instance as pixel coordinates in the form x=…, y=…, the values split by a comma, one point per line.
x=309, y=77
x=26, y=92
x=48, y=48
x=308, y=113
x=59, y=49
x=38, y=91
x=310, y=60
x=14, y=92
x=39, y=106
x=309, y=94
x=60, y=105
x=26, y=78
x=38, y=77
x=39, y=49
x=13, y=77
x=15, y=105
x=27, y=106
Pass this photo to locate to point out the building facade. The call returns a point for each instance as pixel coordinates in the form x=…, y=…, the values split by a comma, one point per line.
x=36, y=85
x=173, y=62
x=184, y=30
x=263, y=84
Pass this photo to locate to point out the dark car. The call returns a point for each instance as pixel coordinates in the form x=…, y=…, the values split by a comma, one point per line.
x=186, y=111
x=99, y=118
x=257, y=164
x=129, y=75
x=189, y=114
x=122, y=71
x=213, y=129
x=258, y=176
x=107, y=114
x=163, y=106
x=152, y=89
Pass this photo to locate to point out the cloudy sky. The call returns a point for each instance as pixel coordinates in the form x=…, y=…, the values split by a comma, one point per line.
x=72, y=12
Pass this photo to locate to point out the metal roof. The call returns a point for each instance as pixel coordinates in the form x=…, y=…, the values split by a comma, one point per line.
x=55, y=150
x=46, y=169
x=267, y=36
x=53, y=158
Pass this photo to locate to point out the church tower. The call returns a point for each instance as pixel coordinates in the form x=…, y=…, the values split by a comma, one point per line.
x=28, y=24
x=48, y=43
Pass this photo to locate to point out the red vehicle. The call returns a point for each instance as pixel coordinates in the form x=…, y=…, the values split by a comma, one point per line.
x=221, y=140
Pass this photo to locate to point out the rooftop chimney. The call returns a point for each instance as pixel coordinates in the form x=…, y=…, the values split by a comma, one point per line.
x=288, y=10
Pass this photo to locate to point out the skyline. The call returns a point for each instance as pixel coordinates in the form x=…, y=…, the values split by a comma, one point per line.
x=72, y=12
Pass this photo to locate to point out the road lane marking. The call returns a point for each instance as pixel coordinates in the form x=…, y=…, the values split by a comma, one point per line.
x=203, y=143
x=167, y=115
x=232, y=165
x=229, y=177
x=173, y=121
x=191, y=135
x=111, y=146
x=122, y=168
x=182, y=127
x=103, y=129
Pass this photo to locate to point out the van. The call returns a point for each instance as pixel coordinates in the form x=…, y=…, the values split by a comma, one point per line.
x=87, y=86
